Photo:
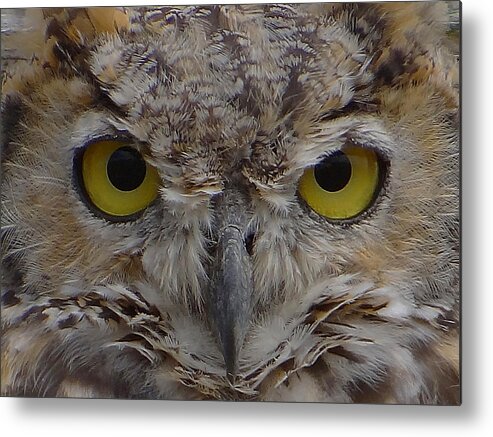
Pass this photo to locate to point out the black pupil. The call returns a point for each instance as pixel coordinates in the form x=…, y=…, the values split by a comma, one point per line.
x=126, y=169
x=333, y=173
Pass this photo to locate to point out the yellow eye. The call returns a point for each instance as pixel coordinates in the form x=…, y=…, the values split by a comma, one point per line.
x=116, y=179
x=343, y=185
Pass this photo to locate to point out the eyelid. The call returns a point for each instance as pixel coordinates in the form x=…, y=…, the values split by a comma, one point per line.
x=122, y=137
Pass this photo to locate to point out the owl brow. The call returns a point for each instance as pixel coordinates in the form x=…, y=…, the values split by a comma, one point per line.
x=102, y=99
x=98, y=126
x=353, y=107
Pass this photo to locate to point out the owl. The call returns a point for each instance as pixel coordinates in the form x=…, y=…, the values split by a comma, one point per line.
x=231, y=202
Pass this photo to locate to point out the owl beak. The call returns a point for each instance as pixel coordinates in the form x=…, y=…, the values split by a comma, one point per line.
x=231, y=294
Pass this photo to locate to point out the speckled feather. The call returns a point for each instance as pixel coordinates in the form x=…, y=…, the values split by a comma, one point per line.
x=238, y=100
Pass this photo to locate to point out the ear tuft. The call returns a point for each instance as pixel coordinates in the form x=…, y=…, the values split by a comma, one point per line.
x=416, y=47
x=71, y=32
x=84, y=25
x=34, y=40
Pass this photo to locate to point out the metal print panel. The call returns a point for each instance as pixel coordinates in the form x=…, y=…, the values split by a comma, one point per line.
x=237, y=202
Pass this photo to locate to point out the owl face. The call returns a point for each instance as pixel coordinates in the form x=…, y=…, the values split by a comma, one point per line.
x=238, y=202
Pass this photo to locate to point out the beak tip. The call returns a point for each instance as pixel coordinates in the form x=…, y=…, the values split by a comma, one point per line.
x=230, y=354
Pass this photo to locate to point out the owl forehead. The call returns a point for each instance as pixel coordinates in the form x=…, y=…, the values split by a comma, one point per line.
x=204, y=86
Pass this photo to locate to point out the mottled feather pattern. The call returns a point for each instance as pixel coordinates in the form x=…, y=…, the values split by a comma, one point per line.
x=232, y=102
